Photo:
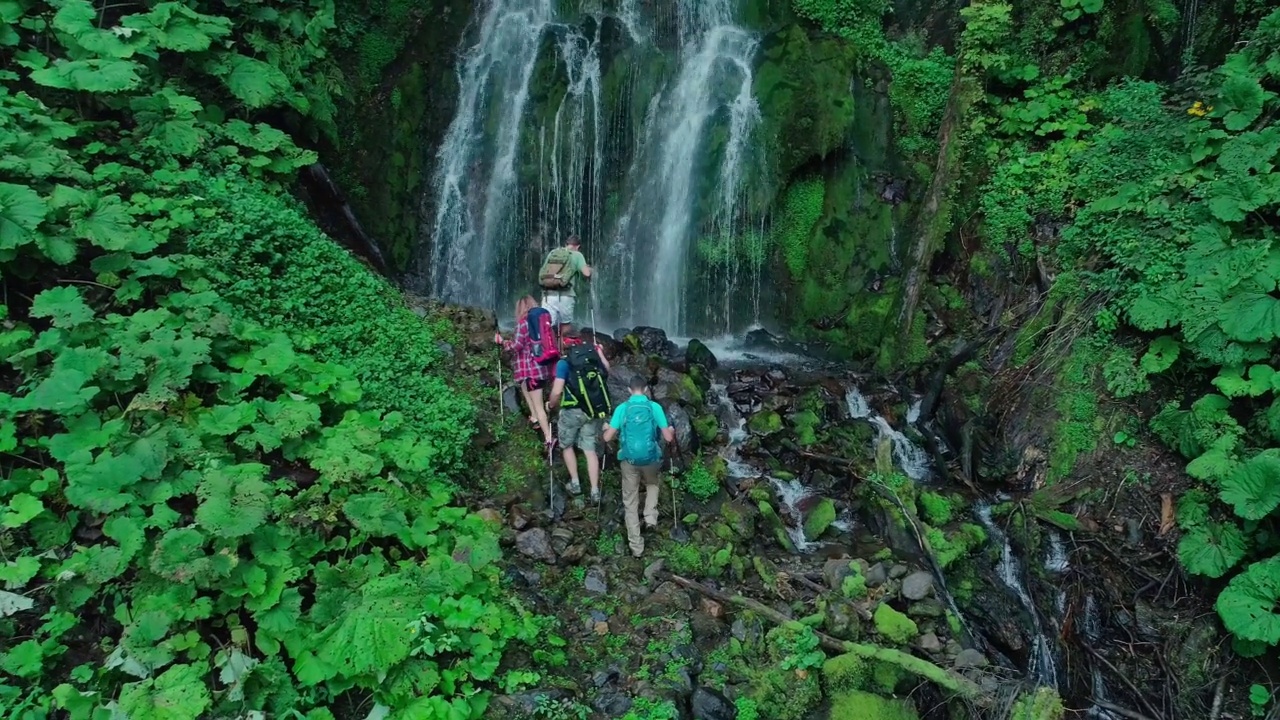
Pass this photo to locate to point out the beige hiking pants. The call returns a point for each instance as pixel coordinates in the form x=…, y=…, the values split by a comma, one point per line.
x=632, y=475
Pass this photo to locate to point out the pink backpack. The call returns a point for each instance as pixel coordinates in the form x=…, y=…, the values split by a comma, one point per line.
x=543, y=336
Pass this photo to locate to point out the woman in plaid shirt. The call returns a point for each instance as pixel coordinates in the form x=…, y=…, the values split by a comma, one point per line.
x=530, y=377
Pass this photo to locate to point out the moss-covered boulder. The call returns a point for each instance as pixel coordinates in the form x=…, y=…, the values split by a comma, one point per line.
x=860, y=705
x=765, y=422
x=819, y=518
x=707, y=427
x=805, y=424
x=775, y=525
x=739, y=520
x=894, y=625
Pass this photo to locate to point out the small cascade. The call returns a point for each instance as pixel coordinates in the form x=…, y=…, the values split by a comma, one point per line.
x=911, y=459
x=791, y=493
x=1092, y=629
x=1057, y=564
x=1042, y=668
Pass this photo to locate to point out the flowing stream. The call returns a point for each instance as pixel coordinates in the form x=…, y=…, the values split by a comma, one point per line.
x=1042, y=668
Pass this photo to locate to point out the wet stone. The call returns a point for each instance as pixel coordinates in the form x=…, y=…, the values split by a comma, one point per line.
x=573, y=554
x=929, y=642
x=835, y=571
x=652, y=569
x=490, y=515
x=970, y=658
x=598, y=616
x=519, y=516
x=561, y=537
x=712, y=608
x=927, y=608
x=612, y=703
x=898, y=571
x=671, y=595
x=708, y=704
x=595, y=582
x=877, y=575
x=918, y=585
x=536, y=544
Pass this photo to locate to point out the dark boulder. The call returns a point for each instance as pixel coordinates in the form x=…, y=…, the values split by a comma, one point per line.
x=708, y=704
x=650, y=341
x=678, y=418
x=699, y=354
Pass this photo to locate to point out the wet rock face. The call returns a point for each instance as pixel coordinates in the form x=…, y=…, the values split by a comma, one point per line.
x=699, y=354
x=679, y=420
x=707, y=704
x=650, y=341
x=917, y=586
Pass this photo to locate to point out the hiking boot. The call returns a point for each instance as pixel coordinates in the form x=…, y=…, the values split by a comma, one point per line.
x=649, y=528
x=595, y=495
x=574, y=488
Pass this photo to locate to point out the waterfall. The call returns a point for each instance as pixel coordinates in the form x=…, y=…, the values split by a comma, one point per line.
x=663, y=220
x=1042, y=668
x=471, y=211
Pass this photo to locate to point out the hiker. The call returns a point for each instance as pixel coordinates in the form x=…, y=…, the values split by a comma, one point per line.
x=533, y=368
x=581, y=381
x=640, y=421
x=557, y=277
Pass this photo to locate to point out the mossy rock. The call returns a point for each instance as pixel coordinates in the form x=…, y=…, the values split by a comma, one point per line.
x=1042, y=704
x=819, y=519
x=739, y=519
x=894, y=626
x=806, y=424
x=707, y=427
x=846, y=673
x=765, y=422
x=860, y=705
x=776, y=526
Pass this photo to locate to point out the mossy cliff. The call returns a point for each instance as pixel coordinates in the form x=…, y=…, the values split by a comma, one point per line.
x=399, y=94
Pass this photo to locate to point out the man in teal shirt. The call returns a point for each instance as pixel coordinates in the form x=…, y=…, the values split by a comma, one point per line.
x=558, y=276
x=640, y=421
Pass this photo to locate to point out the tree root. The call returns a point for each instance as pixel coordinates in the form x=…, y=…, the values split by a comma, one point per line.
x=953, y=681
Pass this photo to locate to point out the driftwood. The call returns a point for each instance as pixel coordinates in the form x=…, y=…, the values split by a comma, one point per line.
x=950, y=680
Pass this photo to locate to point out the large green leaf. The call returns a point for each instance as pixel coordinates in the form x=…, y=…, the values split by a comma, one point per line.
x=234, y=500
x=94, y=76
x=1250, y=316
x=1242, y=99
x=174, y=26
x=178, y=694
x=372, y=635
x=1212, y=549
x=255, y=83
x=1247, y=604
x=64, y=305
x=1253, y=488
x=21, y=212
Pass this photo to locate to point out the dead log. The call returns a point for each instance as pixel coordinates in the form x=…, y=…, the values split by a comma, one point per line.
x=947, y=679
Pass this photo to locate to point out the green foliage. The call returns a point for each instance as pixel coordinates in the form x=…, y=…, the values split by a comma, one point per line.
x=860, y=705
x=1042, y=704
x=698, y=480
x=1167, y=216
x=279, y=269
x=798, y=214
x=936, y=508
x=854, y=585
x=253, y=529
x=1259, y=699
x=894, y=625
x=747, y=708
x=647, y=709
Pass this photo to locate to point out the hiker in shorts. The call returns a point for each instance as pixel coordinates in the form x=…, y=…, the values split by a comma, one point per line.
x=558, y=277
x=531, y=377
x=639, y=421
x=581, y=391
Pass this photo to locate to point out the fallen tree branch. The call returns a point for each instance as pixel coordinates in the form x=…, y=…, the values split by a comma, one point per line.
x=862, y=612
x=1124, y=679
x=950, y=680
x=1133, y=715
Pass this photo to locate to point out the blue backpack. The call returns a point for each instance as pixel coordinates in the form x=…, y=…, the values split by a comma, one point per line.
x=639, y=444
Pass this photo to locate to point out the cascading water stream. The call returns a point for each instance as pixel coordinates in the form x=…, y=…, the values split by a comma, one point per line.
x=493, y=82
x=661, y=223
x=912, y=460
x=1042, y=668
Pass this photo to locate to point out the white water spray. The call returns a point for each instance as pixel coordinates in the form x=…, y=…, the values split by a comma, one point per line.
x=912, y=460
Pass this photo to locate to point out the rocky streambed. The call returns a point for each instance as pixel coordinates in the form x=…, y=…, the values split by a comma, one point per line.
x=809, y=515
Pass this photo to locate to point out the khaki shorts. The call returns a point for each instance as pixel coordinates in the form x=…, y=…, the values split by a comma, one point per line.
x=560, y=306
x=575, y=430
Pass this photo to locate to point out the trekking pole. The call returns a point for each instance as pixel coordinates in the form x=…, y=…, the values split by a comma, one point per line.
x=502, y=411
